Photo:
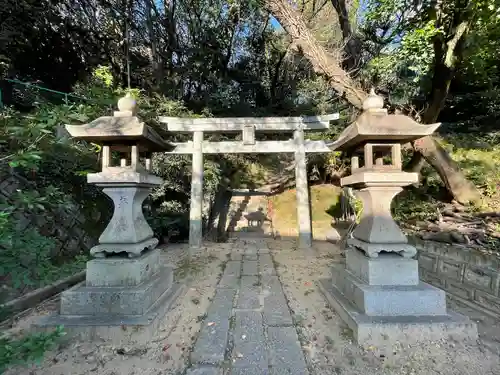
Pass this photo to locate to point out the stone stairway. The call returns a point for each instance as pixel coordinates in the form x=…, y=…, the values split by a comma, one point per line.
x=248, y=215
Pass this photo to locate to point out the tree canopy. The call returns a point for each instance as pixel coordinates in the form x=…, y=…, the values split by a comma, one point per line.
x=435, y=61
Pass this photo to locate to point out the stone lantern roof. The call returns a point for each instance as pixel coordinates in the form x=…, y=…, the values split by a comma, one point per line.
x=376, y=125
x=122, y=129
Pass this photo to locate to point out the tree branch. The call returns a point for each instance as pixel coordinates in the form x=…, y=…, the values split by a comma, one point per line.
x=322, y=63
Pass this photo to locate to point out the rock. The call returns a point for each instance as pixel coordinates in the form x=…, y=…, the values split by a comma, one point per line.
x=458, y=237
x=438, y=237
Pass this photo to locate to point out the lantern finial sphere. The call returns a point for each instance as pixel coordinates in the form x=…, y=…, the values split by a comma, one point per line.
x=373, y=101
x=127, y=104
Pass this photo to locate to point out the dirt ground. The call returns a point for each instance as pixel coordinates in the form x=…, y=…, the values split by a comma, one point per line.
x=326, y=341
x=167, y=353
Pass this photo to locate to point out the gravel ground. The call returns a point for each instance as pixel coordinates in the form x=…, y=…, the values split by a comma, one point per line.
x=328, y=345
x=168, y=351
x=325, y=340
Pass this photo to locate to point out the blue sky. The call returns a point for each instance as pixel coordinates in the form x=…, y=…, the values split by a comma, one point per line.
x=274, y=23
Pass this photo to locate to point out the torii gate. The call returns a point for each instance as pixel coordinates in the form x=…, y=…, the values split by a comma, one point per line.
x=248, y=126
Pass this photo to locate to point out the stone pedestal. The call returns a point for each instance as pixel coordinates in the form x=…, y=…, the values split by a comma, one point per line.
x=377, y=231
x=383, y=301
x=128, y=231
x=122, y=300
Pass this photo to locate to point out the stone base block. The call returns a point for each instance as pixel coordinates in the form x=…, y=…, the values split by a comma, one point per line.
x=122, y=271
x=386, y=269
x=389, y=300
x=373, y=250
x=116, y=330
x=124, y=301
x=382, y=332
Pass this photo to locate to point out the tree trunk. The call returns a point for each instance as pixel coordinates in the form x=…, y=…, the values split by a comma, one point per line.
x=323, y=63
x=462, y=190
x=427, y=148
x=155, y=57
x=447, y=52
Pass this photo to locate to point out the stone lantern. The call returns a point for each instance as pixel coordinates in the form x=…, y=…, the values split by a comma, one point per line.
x=127, y=184
x=378, y=291
x=126, y=285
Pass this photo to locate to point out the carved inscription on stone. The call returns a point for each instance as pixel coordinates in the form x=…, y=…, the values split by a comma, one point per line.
x=249, y=135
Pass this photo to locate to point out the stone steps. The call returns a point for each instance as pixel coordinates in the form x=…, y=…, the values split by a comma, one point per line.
x=243, y=208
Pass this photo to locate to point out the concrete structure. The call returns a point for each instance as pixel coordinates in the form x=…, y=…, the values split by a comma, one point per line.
x=465, y=274
x=126, y=292
x=378, y=292
x=247, y=126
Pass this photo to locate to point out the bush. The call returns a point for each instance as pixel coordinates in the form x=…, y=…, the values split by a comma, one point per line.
x=26, y=260
x=27, y=349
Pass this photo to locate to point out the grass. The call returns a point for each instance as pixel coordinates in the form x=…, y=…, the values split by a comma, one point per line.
x=187, y=267
x=323, y=198
x=479, y=158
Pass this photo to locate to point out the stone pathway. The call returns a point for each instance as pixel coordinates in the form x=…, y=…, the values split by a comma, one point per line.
x=248, y=328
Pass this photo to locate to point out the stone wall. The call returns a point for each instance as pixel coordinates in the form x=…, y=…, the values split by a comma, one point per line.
x=467, y=275
x=66, y=226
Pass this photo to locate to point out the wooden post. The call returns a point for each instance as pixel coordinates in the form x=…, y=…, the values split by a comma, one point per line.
x=195, y=212
x=303, y=208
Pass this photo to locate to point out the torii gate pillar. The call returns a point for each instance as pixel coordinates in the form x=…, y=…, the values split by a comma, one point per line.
x=302, y=189
x=196, y=206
